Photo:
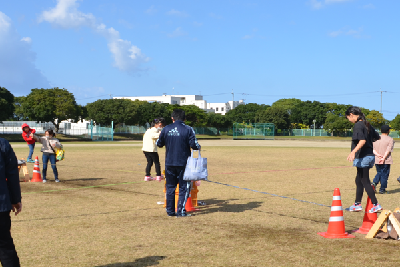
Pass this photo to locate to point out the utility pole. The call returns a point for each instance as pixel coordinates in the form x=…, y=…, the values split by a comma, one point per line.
x=381, y=98
x=110, y=96
x=233, y=96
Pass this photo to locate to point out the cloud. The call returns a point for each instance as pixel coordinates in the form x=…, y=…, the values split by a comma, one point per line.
x=322, y=3
x=27, y=39
x=18, y=72
x=215, y=16
x=248, y=36
x=349, y=32
x=127, y=57
x=177, y=33
x=369, y=6
x=197, y=24
x=151, y=10
x=177, y=13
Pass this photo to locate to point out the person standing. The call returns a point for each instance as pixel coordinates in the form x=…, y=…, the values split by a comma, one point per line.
x=362, y=156
x=10, y=200
x=49, y=142
x=150, y=148
x=177, y=138
x=383, y=149
x=26, y=134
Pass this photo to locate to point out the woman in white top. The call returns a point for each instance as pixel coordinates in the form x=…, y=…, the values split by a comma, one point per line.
x=150, y=148
x=49, y=144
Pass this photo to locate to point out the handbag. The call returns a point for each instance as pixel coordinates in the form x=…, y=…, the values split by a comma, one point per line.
x=60, y=152
x=196, y=168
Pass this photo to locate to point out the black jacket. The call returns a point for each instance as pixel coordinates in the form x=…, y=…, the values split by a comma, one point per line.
x=178, y=138
x=10, y=191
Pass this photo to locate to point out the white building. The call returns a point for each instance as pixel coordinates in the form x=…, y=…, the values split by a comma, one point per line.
x=182, y=100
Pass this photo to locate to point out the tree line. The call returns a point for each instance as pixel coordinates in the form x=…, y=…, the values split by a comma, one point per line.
x=57, y=104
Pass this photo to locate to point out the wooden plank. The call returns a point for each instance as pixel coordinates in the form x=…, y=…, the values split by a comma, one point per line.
x=395, y=223
x=378, y=224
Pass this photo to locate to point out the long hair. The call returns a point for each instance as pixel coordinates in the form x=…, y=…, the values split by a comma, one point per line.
x=158, y=120
x=361, y=117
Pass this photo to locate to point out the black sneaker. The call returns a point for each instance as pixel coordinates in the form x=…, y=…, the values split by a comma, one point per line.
x=383, y=192
x=398, y=179
x=171, y=214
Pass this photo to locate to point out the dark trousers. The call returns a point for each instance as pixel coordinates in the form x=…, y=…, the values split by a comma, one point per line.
x=45, y=160
x=382, y=175
x=363, y=182
x=152, y=157
x=173, y=176
x=8, y=254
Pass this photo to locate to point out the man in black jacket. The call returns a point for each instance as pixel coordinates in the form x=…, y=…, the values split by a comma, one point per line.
x=178, y=138
x=10, y=199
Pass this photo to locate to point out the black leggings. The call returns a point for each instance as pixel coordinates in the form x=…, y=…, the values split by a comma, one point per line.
x=152, y=157
x=362, y=181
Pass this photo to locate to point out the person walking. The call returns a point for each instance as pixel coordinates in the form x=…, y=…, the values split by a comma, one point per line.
x=10, y=200
x=49, y=142
x=383, y=149
x=362, y=156
x=26, y=134
x=150, y=148
x=177, y=138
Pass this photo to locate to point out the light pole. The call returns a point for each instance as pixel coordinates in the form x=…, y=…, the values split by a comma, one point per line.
x=314, y=121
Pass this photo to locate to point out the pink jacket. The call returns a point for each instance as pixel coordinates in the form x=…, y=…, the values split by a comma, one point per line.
x=386, y=143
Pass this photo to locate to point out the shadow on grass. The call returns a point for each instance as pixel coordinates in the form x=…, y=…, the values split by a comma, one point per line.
x=394, y=191
x=83, y=179
x=224, y=206
x=142, y=262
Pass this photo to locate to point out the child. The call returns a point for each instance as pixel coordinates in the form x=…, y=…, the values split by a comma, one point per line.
x=383, y=149
x=26, y=134
x=362, y=156
x=150, y=148
x=49, y=142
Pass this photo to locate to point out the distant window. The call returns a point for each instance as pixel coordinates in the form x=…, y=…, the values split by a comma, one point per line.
x=222, y=109
x=216, y=109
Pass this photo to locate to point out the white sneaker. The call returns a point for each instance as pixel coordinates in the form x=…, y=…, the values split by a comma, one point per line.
x=159, y=178
x=57, y=181
x=44, y=181
x=148, y=178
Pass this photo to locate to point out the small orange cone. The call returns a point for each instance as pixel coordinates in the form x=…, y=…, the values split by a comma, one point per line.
x=336, y=228
x=36, y=177
x=369, y=219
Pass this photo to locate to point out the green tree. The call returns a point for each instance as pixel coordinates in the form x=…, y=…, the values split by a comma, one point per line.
x=116, y=110
x=53, y=105
x=19, y=114
x=218, y=121
x=307, y=111
x=195, y=116
x=245, y=113
x=337, y=123
x=147, y=112
x=6, y=104
x=277, y=115
x=395, y=123
x=376, y=119
x=287, y=103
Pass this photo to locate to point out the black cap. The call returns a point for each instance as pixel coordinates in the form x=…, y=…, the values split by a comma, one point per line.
x=385, y=128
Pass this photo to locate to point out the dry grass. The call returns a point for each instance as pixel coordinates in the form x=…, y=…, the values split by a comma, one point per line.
x=102, y=214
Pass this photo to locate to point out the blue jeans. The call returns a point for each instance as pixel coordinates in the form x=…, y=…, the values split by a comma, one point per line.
x=52, y=157
x=31, y=148
x=382, y=175
x=365, y=162
x=173, y=176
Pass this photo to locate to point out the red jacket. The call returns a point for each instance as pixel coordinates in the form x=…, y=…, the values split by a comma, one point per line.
x=26, y=136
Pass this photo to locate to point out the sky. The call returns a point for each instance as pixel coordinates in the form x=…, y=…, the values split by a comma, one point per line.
x=339, y=51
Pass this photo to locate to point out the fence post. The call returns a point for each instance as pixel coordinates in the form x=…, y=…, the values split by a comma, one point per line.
x=91, y=129
x=112, y=131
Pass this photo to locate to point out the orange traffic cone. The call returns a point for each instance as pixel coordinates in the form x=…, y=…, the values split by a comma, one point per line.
x=36, y=177
x=336, y=228
x=369, y=219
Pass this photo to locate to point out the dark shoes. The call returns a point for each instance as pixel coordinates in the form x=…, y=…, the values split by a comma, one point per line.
x=184, y=215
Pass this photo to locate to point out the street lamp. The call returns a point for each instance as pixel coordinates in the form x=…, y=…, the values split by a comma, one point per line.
x=314, y=121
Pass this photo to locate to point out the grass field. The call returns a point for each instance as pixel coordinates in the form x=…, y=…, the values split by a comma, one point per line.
x=103, y=214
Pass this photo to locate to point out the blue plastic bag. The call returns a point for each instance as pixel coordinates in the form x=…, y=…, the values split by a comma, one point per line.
x=196, y=168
